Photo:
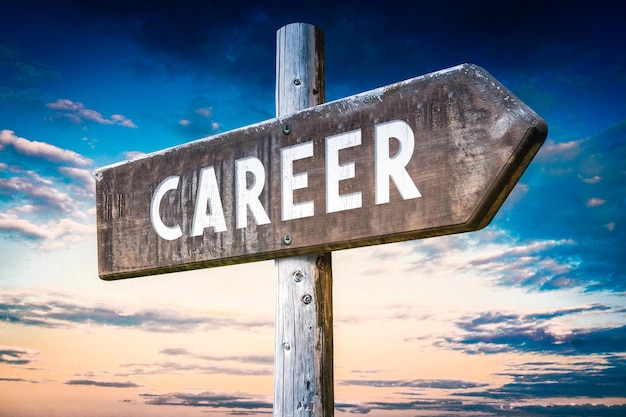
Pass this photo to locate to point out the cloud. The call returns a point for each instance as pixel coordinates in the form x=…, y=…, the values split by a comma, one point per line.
x=175, y=352
x=256, y=359
x=84, y=177
x=130, y=155
x=54, y=235
x=12, y=223
x=209, y=400
x=497, y=332
x=17, y=356
x=600, y=379
x=46, y=203
x=495, y=254
x=18, y=380
x=39, y=191
x=28, y=310
x=188, y=362
x=204, y=111
x=41, y=150
x=552, y=151
x=595, y=202
x=450, y=407
x=536, y=389
x=169, y=368
x=103, y=384
x=197, y=123
x=77, y=113
x=577, y=196
x=537, y=264
x=448, y=384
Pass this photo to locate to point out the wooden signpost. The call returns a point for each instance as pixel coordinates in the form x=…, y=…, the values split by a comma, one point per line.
x=303, y=350
x=433, y=155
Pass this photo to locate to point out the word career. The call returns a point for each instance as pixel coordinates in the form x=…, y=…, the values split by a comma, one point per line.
x=250, y=180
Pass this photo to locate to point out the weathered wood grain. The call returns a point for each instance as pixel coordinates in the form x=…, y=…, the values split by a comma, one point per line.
x=473, y=139
x=303, y=354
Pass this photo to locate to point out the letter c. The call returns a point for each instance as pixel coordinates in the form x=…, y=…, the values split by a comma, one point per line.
x=166, y=232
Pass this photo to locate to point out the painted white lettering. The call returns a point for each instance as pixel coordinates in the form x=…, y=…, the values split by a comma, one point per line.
x=166, y=232
x=394, y=167
x=208, y=196
x=291, y=182
x=336, y=172
x=249, y=197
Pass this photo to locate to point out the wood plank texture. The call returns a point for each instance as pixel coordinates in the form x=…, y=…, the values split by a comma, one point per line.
x=303, y=354
x=472, y=140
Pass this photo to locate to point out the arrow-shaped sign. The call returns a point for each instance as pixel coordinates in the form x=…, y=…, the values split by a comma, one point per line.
x=429, y=156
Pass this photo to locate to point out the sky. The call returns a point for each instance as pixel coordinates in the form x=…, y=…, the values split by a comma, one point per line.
x=525, y=317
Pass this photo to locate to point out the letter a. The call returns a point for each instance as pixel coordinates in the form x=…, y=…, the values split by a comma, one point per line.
x=208, y=196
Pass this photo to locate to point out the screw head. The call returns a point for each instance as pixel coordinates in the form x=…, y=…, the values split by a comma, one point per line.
x=297, y=81
x=298, y=275
x=286, y=128
x=287, y=239
x=306, y=298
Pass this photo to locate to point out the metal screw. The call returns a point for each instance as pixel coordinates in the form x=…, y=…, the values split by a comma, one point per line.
x=306, y=298
x=286, y=345
x=297, y=81
x=298, y=275
x=287, y=239
x=286, y=128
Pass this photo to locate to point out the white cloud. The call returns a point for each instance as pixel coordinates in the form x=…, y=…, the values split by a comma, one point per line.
x=564, y=151
x=595, y=202
x=77, y=112
x=12, y=223
x=591, y=180
x=43, y=193
x=56, y=234
x=130, y=155
x=204, y=111
x=68, y=231
x=56, y=211
x=41, y=149
x=84, y=176
x=491, y=254
x=122, y=121
x=27, y=208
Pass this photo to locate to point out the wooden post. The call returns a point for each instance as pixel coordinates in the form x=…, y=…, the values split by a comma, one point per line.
x=303, y=369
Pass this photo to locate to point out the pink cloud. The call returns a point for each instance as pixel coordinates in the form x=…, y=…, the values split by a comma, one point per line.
x=83, y=176
x=40, y=149
x=55, y=235
x=13, y=223
x=77, y=113
x=204, y=111
x=595, y=202
x=65, y=104
x=39, y=192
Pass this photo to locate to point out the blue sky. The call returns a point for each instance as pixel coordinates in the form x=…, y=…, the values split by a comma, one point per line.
x=526, y=315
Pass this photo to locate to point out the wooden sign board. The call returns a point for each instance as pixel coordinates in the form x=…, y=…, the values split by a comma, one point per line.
x=429, y=156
